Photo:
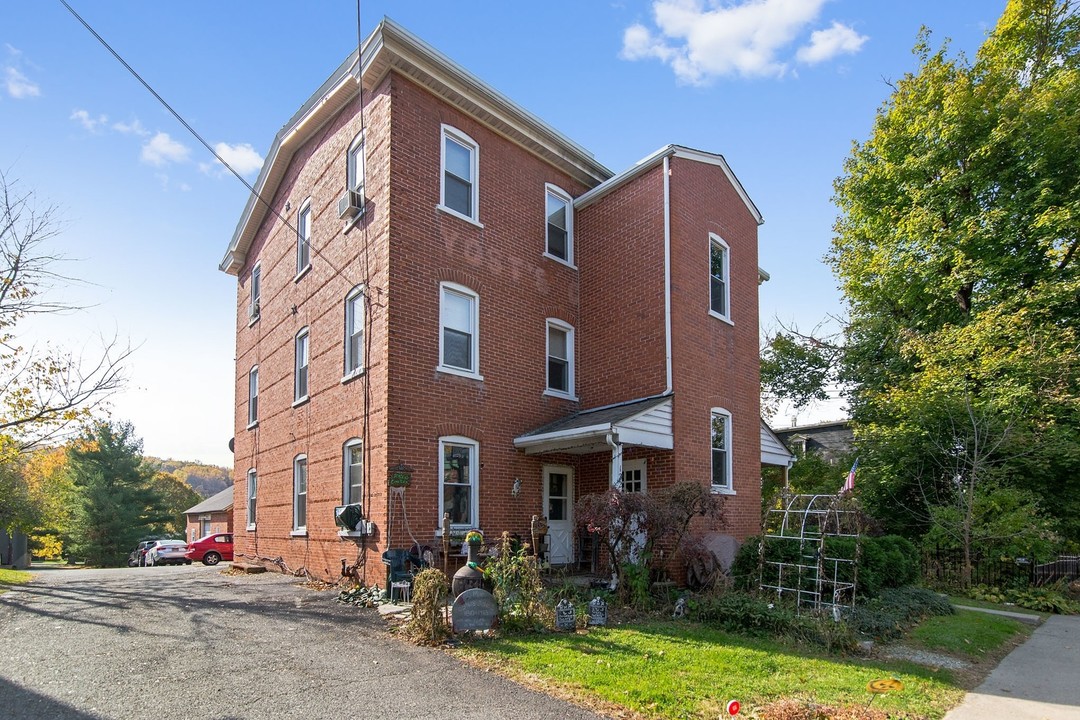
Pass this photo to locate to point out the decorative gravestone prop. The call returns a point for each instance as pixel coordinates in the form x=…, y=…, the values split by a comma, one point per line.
x=474, y=609
x=564, y=615
x=597, y=611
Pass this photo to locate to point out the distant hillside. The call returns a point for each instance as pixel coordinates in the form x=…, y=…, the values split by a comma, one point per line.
x=206, y=480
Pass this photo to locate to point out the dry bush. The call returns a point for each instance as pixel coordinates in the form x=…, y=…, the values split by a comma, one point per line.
x=802, y=710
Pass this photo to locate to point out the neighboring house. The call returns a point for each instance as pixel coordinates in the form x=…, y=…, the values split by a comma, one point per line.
x=831, y=440
x=444, y=286
x=212, y=515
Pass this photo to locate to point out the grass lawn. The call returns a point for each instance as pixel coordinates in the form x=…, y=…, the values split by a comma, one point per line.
x=969, y=634
x=679, y=670
x=13, y=577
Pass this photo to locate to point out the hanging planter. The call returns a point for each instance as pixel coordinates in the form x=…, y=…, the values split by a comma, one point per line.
x=401, y=476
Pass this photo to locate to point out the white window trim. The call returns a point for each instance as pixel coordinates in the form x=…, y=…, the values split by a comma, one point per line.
x=298, y=530
x=558, y=192
x=728, y=489
x=297, y=398
x=569, y=330
x=358, y=142
x=349, y=445
x=302, y=270
x=461, y=290
x=252, y=494
x=639, y=464
x=255, y=300
x=474, y=483
x=253, y=421
x=715, y=239
x=348, y=374
x=449, y=131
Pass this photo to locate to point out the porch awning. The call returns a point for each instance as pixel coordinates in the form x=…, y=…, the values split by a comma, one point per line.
x=645, y=422
x=773, y=450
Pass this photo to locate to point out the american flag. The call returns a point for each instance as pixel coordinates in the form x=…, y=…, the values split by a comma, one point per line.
x=849, y=484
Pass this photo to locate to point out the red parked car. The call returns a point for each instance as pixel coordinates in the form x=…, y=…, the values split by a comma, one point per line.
x=212, y=549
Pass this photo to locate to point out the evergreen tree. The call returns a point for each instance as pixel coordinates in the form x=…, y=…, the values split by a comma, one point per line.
x=118, y=505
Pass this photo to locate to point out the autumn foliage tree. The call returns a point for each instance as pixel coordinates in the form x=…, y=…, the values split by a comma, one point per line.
x=956, y=250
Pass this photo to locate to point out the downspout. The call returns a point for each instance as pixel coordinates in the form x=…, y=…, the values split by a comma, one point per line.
x=612, y=439
x=667, y=270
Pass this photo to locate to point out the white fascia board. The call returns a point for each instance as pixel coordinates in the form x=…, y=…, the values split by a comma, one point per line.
x=563, y=435
x=646, y=163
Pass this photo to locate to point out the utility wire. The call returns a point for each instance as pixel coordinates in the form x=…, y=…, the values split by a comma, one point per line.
x=199, y=137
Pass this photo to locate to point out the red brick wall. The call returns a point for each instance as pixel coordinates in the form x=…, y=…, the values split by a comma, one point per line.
x=622, y=295
x=340, y=260
x=715, y=364
x=518, y=290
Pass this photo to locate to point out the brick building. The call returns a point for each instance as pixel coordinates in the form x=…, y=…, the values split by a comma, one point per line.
x=212, y=515
x=443, y=286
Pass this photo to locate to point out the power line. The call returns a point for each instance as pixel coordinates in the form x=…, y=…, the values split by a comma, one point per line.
x=200, y=138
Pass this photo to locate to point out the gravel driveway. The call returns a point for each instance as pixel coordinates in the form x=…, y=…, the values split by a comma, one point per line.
x=189, y=642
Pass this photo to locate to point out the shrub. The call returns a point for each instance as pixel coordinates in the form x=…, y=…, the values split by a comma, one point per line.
x=515, y=580
x=427, y=623
x=751, y=615
x=1042, y=599
x=888, y=616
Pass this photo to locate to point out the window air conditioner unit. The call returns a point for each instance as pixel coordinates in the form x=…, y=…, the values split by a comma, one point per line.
x=350, y=517
x=351, y=204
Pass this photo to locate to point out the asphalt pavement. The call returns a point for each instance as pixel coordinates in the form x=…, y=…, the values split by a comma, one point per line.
x=1039, y=680
x=190, y=643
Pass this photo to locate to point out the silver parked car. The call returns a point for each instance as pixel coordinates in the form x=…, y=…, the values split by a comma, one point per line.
x=167, y=552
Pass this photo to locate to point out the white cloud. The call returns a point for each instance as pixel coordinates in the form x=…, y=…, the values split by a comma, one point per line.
x=747, y=38
x=162, y=150
x=18, y=85
x=827, y=44
x=90, y=123
x=132, y=128
x=243, y=158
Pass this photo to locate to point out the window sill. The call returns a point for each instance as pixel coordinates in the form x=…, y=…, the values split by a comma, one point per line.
x=303, y=271
x=253, y=425
x=459, y=373
x=450, y=211
x=725, y=318
x=351, y=534
x=718, y=490
x=251, y=526
x=359, y=372
x=561, y=395
x=302, y=532
x=302, y=401
x=556, y=258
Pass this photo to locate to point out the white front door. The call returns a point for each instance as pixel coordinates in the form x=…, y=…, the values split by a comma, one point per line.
x=559, y=505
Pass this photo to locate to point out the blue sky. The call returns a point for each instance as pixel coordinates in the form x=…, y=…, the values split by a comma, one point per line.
x=779, y=87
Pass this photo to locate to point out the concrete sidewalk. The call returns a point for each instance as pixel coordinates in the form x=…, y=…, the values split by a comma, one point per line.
x=1040, y=680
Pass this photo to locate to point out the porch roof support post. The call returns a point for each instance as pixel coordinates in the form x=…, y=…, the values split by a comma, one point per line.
x=612, y=439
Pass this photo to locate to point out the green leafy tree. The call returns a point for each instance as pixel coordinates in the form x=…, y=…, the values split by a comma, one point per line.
x=956, y=251
x=118, y=504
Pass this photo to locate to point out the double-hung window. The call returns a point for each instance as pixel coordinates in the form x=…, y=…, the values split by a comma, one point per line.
x=303, y=238
x=354, y=331
x=354, y=171
x=256, y=293
x=353, y=472
x=460, y=162
x=721, y=450
x=300, y=479
x=458, y=492
x=252, y=492
x=253, y=396
x=560, y=225
x=719, y=284
x=560, y=358
x=300, y=368
x=459, y=330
